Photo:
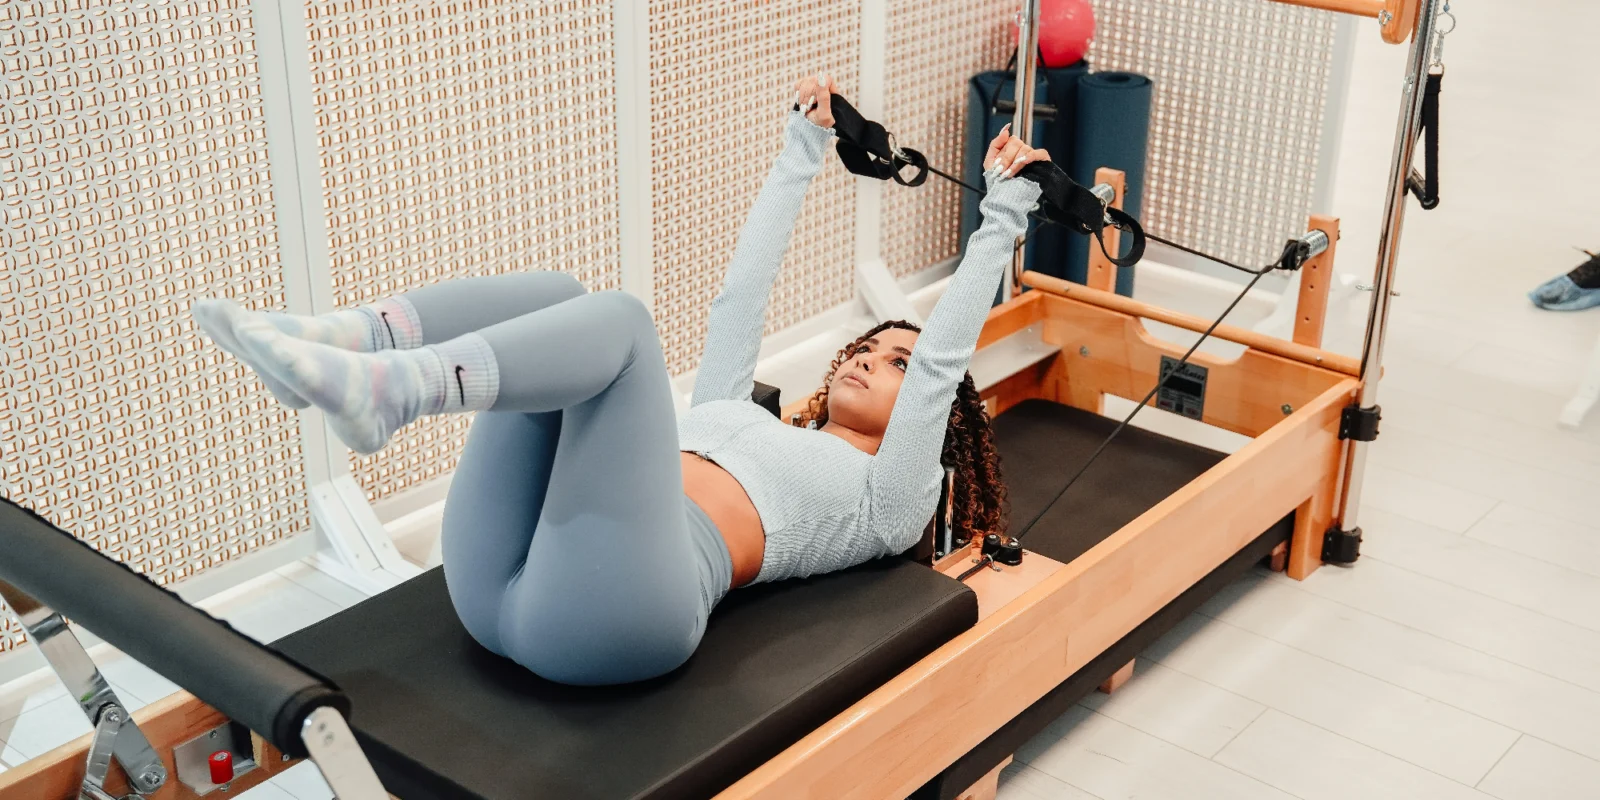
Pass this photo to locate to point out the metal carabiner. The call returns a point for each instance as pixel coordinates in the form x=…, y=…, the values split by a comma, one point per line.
x=1436, y=63
x=894, y=148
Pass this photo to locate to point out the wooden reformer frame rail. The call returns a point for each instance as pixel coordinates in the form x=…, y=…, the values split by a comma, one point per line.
x=902, y=734
x=1398, y=17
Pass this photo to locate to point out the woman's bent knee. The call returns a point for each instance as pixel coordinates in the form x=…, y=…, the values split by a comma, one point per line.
x=558, y=285
x=626, y=310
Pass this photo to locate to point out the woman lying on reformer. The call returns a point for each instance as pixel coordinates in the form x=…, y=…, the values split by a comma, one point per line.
x=589, y=532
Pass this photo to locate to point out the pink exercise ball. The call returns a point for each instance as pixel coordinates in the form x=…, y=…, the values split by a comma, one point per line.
x=1066, y=27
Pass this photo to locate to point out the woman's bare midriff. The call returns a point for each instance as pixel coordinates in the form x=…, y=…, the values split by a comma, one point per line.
x=725, y=502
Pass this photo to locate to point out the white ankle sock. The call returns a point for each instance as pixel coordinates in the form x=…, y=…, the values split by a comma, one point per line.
x=389, y=324
x=469, y=372
x=370, y=396
x=217, y=317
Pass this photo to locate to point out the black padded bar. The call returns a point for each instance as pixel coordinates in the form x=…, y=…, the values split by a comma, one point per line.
x=259, y=688
x=441, y=717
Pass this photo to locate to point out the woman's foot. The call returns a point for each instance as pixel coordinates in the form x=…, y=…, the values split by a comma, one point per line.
x=1574, y=291
x=370, y=396
x=217, y=318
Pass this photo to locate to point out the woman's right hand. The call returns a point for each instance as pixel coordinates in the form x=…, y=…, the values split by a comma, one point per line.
x=813, y=94
x=1011, y=153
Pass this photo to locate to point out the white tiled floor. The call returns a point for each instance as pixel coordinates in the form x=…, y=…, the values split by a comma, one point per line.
x=1461, y=657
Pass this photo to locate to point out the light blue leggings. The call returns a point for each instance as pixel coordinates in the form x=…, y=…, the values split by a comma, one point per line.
x=569, y=546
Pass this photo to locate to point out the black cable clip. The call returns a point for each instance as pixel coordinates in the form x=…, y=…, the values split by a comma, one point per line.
x=1360, y=424
x=1340, y=546
x=1296, y=252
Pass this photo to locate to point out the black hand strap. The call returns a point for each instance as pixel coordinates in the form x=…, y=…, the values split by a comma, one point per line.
x=867, y=149
x=1426, y=187
x=1064, y=201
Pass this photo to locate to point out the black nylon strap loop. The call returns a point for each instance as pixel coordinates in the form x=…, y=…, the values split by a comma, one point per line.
x=1127, y=224
x=1425, y=186
x=1067, y=202
x=867, y=149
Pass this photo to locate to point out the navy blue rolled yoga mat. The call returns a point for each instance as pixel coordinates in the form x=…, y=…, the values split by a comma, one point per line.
x=1050, y=242
x=1112, y=130
x=983, y=91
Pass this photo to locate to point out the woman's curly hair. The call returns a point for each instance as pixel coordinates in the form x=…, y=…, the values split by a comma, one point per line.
x=968, y=446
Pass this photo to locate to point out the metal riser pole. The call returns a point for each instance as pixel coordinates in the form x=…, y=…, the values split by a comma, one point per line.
x=1022, y=119
x=1405, y=148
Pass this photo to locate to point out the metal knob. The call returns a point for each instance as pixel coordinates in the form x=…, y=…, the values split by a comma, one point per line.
x=1010, y=553
x=992, y=544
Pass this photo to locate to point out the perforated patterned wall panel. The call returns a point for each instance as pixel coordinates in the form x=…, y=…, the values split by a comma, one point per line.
x=133, y=180
x=465, y=138
x=1235, y=129
x=931, y=52
x=723, y=74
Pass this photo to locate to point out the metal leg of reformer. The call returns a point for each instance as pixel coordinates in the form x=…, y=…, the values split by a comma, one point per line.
x=344, y=766
x=115, y=734
x=1344, y=538
x=1588, y=395
x=1022, y=118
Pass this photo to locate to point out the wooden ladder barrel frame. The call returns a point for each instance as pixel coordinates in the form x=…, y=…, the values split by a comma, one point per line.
x=1399, y=17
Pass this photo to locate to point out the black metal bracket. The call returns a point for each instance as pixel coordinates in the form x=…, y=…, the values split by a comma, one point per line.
x=1360, y=424
x=1040, y=110
x=1341, y=547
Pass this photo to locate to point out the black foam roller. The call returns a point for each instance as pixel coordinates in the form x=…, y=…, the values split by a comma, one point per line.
x=255, y=686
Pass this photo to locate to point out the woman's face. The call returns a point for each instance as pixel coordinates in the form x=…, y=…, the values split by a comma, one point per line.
x=862, y=391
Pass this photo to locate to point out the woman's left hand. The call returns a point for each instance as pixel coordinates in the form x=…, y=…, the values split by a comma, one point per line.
x=813, y=95
x=1011, y=153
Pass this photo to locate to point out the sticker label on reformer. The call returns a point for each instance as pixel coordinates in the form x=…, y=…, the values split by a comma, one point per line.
x=1183, y=393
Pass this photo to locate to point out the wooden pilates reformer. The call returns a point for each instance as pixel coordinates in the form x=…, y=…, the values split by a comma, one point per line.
x=938, y=716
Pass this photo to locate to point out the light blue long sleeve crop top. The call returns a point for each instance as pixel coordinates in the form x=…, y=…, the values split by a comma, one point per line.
x=825, y=505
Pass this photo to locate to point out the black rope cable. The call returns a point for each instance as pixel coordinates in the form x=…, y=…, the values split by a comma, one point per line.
x=1162, y=381
x=1256, y=274
x=1206, y=256
x=890, y=156
x=1148, y=235
x=983, y=563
